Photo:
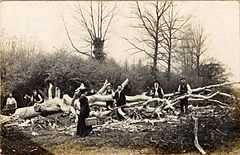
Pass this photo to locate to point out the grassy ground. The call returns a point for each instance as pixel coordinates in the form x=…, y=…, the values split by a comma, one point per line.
x=74, y=147
x=53, y=142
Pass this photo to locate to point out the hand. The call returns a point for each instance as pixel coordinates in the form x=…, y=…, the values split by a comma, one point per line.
x=106, y=82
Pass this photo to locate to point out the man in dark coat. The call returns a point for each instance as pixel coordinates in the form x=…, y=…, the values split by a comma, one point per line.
x=184, y=89
x=83, y=113
x=36, y=97
x=120, y=98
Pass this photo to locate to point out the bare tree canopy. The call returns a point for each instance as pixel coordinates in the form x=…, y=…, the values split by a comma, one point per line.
x=193, y=46
x=96, y=21
x=173, y=23
x=159, y=24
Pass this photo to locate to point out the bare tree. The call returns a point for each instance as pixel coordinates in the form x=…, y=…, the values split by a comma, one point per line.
x=193, y=46
x=150, y=26
x=199, y=38
x=172, y=24
x=96, y=22
x=185, y=54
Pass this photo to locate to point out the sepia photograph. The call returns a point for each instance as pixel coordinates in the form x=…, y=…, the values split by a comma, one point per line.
x=119, y=77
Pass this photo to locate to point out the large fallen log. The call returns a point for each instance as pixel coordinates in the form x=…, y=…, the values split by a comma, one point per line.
x=49, y=106
x=103, y=98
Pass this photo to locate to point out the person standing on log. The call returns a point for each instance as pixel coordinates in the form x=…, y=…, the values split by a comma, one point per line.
x=83, y=111
x=184, y=89
x=157, y=91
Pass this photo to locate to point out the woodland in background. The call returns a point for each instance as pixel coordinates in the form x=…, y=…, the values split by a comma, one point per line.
x=24, y=68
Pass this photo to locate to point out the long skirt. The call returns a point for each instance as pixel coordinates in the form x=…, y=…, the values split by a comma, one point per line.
x=82, y=129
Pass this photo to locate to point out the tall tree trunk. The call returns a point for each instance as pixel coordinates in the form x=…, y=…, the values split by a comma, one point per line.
x=169, y=62
x=198, y=66
x=169, y=65
x=192, y=61
x=155, y=56
x=154, y=69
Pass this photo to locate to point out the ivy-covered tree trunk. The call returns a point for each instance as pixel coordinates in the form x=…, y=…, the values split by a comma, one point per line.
x=98, y=45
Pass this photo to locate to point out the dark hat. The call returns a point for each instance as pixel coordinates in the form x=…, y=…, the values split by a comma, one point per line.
x=81, y=87
x=182, y=78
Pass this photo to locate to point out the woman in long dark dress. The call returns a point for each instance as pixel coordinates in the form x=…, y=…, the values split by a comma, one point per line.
x=82, y=129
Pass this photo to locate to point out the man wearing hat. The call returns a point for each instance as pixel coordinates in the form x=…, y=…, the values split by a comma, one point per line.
x=83, y=111
x=184, y=89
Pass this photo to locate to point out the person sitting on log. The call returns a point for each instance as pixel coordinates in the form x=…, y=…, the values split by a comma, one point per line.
x=27, y=100
x=36, y=97
x=11, y=104
x=109, y=91
x=83, y=111
x=184, y=89
x=157, y=91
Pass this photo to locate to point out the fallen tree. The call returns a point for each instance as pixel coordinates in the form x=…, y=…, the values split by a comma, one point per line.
x=138, y=108
x=138, y=102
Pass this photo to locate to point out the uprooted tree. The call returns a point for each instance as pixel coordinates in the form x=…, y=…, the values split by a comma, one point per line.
x=137, y=102
x=139, y=107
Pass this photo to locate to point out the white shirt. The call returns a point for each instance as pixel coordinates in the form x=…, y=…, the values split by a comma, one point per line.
x=11, y=101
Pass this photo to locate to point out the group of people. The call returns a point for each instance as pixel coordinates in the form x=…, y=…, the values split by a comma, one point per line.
x=83, y=109
x=119, y=96
x=183, y=89
x=12, y=105
x=155, y=92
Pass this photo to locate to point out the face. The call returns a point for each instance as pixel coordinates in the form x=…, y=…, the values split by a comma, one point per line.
x=119, y=87
x=35, y=92
x=10, y=95
x=83, y=92
x=156, y=84
x=109, y=88
x=183, y=81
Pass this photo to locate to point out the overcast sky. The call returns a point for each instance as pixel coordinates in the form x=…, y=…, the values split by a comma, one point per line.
x=41, y=22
